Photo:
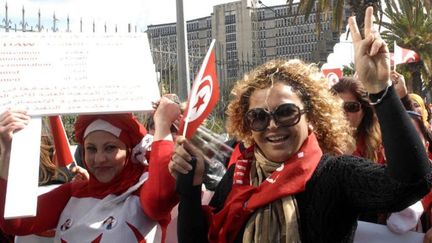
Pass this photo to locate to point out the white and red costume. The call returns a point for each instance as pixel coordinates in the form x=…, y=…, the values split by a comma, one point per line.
x=133, y=207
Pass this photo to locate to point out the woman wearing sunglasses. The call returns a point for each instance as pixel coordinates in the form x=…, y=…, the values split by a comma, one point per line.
x=291, y=184
x=361, y=116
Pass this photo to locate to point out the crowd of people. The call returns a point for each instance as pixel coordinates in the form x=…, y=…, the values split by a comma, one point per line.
x=308, y=163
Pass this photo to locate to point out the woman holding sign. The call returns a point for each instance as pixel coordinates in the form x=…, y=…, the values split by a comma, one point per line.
x=291, y=184
x=126, y=199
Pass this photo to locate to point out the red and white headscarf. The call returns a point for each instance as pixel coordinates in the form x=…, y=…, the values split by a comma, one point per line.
x=131, y=132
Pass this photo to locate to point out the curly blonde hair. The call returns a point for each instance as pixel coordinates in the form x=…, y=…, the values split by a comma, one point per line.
x=323, y=110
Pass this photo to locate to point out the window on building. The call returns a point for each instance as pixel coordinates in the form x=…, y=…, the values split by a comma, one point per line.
x=230, y=19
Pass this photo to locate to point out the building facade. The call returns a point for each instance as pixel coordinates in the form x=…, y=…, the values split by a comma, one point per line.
x=247, y=34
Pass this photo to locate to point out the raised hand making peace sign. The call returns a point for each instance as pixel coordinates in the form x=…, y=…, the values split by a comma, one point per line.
x=371, y=55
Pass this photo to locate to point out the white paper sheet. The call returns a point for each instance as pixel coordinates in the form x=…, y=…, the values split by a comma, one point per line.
x=22, y=186
x=377, y=233
x=59, y=73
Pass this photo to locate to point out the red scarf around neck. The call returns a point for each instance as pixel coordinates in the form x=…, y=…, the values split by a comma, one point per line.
x=244, y=199
x=128, y=177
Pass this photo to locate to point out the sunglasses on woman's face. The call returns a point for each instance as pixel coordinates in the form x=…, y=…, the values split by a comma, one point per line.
x=351, y=106
x=285, y=115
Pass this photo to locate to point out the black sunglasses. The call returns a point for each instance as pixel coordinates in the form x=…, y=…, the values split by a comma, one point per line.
x=351, y=106
x=285, y=115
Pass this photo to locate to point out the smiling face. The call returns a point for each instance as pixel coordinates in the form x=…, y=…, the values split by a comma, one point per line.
x=105, y=155
x=278, y=143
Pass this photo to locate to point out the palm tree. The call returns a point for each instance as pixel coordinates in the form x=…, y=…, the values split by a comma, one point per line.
x=410, y=27
x=357, y=8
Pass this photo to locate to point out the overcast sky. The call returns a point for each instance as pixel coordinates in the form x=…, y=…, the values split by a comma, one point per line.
x=120, y=12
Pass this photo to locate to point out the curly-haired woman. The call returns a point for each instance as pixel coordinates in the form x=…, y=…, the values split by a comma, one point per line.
x=291, y=184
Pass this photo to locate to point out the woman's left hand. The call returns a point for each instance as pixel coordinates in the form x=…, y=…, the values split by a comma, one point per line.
x=371, y=54
x=398, y=81
x=81, y=174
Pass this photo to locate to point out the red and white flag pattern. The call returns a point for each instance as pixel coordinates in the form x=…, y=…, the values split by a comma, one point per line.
x=332, y=75
x=402, y=55
x=62, y=153
x=203, y=97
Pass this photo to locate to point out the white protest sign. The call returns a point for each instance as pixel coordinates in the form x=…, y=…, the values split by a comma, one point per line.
x=22, y=186
x=58, y=73
x=61, y=73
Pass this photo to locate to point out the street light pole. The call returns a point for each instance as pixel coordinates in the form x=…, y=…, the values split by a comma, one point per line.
x=182, y=54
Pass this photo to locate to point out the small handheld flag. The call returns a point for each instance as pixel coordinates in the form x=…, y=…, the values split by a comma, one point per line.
x=203, y=97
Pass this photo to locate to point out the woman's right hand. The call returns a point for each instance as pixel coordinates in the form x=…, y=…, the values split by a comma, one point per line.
x=183, y=153
x=10, y=122
x=166, y=113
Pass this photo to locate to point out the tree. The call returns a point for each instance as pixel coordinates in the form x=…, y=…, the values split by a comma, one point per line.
x=410, y=26
x=357, y=8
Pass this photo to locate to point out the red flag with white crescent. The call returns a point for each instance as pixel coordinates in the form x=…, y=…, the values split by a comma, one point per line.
x=332, y=75
x=203, y=97
x=62, y=153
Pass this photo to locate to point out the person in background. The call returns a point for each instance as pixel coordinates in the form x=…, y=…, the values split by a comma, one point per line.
x=139, y=198
x=419, y=107
x=283, y=188
x=361, y=115
x=49, y=173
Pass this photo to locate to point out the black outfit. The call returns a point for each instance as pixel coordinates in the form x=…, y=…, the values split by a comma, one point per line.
x=341, y=186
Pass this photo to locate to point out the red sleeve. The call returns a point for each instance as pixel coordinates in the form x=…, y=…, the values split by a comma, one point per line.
x=427, y=201
x=49, y=207
x=158, y=195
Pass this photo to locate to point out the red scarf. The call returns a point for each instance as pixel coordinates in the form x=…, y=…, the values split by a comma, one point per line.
x=128, y=177
x=289, y=179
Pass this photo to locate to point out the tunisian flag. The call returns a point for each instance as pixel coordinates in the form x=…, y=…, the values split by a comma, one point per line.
x=332, y=75
x=402, y=55
x=203, y=97
x=62, y=152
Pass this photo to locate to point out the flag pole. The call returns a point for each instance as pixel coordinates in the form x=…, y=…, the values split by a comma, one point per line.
x=182, y=54
x=61, y=143
x=394, y=56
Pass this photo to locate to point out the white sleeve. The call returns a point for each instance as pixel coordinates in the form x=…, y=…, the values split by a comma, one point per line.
x=405, y=220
